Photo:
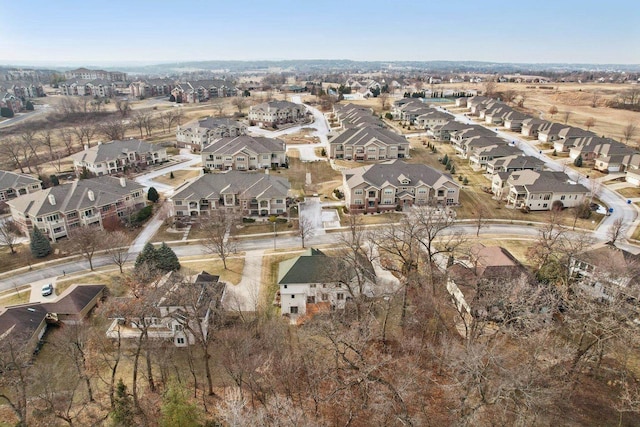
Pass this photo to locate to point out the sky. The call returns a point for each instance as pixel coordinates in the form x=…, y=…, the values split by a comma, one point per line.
x=59, y=32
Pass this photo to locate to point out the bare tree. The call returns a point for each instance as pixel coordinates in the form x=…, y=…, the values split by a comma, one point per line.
x=565, y=116
x=67, y=139
x=216, y=230
x=9, y=234
x=594, y=99
x=46, y=139
x=480, y=219
x=16, y=376
x=489, y=88
x=86, y=240
x=239, y=102
x=384, y=101
x=85, y=131
x=306, y=229
x=616, y=230
x=140, y=120
x=590, y=122
x=117, y=247
x=172, y=117
x=197, y=299
x=522, y=97
x=629, y=131
x=219, y=108
x=29, y=141
x=113, y=129
x=11, y=149
x=123, y=107
x=553, y=110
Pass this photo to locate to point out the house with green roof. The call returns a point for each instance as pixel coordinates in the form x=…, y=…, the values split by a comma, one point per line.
x=315, y=282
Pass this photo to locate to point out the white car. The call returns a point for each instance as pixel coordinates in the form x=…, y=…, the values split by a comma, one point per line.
x=47, y=290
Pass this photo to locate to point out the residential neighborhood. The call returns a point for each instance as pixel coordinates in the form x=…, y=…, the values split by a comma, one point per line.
x=198, y=227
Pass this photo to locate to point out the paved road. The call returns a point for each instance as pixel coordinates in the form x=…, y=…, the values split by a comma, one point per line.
x=39, y=110
x=628, y=213
x=262, y=243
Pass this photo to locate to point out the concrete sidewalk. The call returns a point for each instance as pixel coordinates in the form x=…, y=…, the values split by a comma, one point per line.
x=245, y=296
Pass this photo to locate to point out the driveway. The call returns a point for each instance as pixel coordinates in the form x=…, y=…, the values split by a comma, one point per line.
x=147, y=181
x=311, y=209
x=245, y=296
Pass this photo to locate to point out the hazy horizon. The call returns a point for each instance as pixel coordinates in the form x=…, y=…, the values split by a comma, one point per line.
x=144, y=32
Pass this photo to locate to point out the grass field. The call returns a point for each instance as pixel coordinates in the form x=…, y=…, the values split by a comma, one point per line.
x=179, y=177
x=321, y=175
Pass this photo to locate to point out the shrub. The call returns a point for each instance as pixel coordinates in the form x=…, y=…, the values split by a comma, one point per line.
x=152, y=195
x=144, y=214
x=6, y=112
x=388, y=116
x=578, y=161
x=29, y=106
x=465, y=181
x=248, y=220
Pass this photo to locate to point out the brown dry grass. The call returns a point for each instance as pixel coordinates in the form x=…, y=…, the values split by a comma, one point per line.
x=233, y=273
x=15, y=296
x=180, y=176
x=321, y=173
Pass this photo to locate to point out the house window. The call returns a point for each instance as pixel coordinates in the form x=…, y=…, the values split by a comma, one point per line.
x=358, y=192
x=180, y=340
x=562, y=197
x=311, y=300
x=325, y=297
x=293, y=296
x=106, y=208
x=293, y=310
x=312, y=286
x=178, y=327
x=340, y=296
x=357, y=202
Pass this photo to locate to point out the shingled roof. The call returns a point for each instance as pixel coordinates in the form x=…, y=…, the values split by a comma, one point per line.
x=248, y=185
x=232, y=145
x=115, y=150
x=15, y=180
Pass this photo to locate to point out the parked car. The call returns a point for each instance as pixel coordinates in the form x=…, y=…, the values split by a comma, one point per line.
x=47, y=290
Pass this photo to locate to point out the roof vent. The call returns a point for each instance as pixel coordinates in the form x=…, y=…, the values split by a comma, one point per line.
x=91, y=196
x=123, y=182
x=52, y=199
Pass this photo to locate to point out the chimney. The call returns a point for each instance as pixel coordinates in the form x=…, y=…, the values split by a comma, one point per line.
x=52, y=199
x=86, y=147
x=123, y=182
x=99, y=142
x=91, y=195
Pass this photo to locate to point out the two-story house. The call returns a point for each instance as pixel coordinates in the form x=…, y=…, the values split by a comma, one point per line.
x=274, y=113
x=251, y=194
x=395, y=184
x=368, y=143
x=538, y=190
x=516, y=162
x=13, y=185
x=315, y=282
x=196, y=135
x=117, y=156
x=182, y=311
x=57, y=210
x=245, y=153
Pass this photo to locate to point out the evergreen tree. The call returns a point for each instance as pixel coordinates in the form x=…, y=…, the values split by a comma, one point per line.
x=29, y=106
x=123, y=413
x=452, y=170
x=445, y=159
x=171, y=176
x=166, y=259
x=578, y=161
x=54, y=180
x=6, y=112
x=147, y=256
x=153, y=195
x=465, y=181
x=177, y=411
x=40, y=245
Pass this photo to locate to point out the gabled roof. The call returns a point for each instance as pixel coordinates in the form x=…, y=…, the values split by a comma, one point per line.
x=516, y=161
x=115, y=150
x=15, y=180
x=213, y=123
x=277, y=105
x=211, y=186
x=75, y=196
x=310, y=267
x=364, y=135
x=545, y=181
x=385, y=173
x=232, y=145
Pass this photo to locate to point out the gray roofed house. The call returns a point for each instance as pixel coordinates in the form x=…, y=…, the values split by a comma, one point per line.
x=245, y=153
x=249, y=193
x=196, y=135
x=549, y=131
x=531, y=127
x=368, y=143
x=13, y=185
x=538, y=190
x=25, y=324
x=115, y=156
x=514, y=163
x=432, y=118
x=86, y=202
x=443, y=132
x=478, y=157
x=385, y=186
x=181, y=305
x=513, y=120
x=464, y=146
x=274, y=113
